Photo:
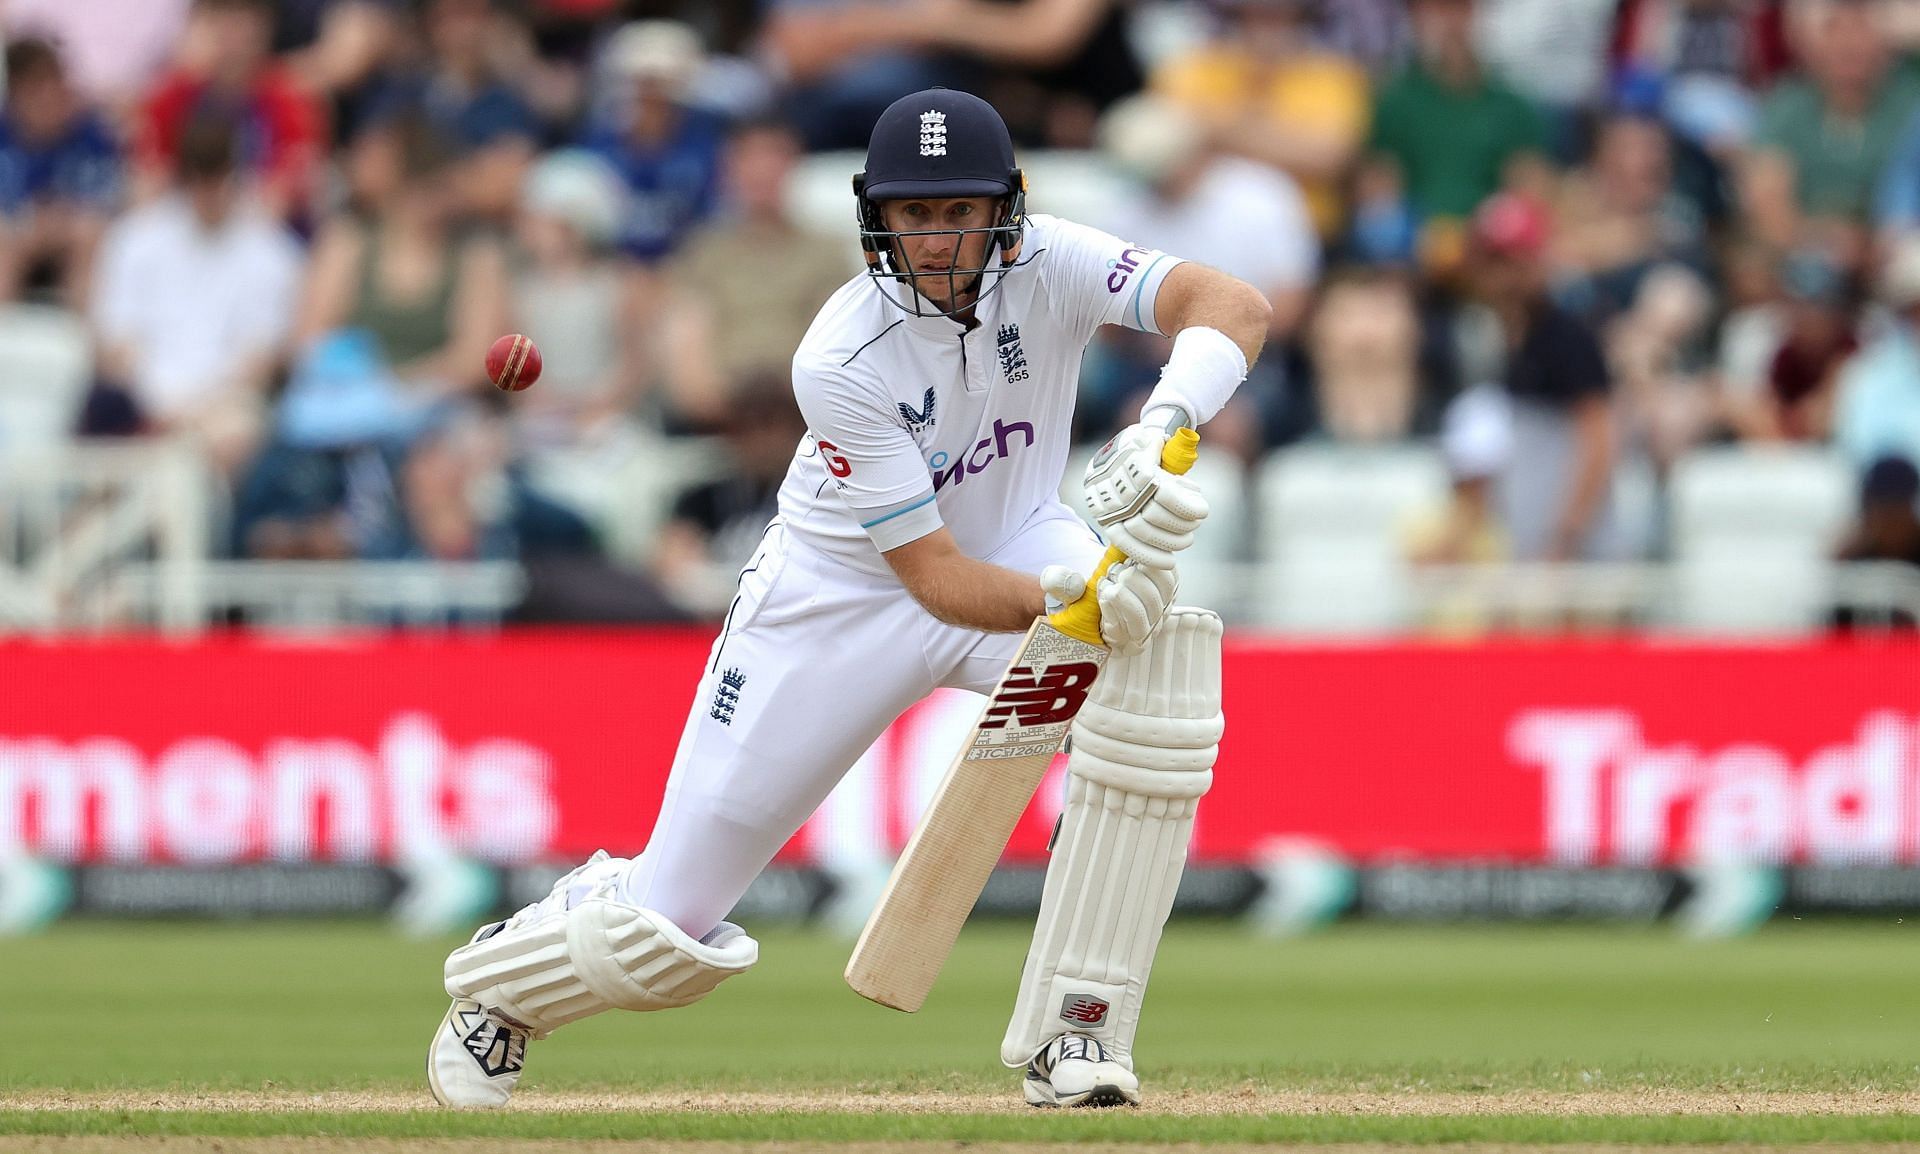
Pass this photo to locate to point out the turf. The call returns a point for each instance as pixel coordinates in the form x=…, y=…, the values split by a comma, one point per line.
x=1800, y=1007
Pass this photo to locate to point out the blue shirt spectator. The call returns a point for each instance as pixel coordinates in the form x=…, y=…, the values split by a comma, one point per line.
x=80, y=166
x=60, y=177
x=672, y=181
x=473, y=118
x=1877, y=410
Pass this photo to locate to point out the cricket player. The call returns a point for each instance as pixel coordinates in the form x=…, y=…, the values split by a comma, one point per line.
x=918, y=536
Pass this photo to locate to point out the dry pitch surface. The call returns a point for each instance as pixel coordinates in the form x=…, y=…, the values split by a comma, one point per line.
x=1186, y=1103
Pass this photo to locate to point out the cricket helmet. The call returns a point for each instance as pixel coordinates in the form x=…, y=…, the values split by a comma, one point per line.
x=931, y=145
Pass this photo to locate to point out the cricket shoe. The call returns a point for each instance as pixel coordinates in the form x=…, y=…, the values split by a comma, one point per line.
x=476, y=1057
x=1075, y=1070
x=478, y=1053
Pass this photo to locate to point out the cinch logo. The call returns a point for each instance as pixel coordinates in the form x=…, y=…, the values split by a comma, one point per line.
x=986, y=452
x=1083, y=1010
x=1124, y=267
x=1054, y=695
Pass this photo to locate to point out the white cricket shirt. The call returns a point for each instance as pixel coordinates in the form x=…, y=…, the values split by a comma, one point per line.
x=918, y=422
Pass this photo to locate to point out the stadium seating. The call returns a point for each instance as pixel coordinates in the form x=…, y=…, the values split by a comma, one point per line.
x=1330, y=524
x=1753, y=531
x=49, y=364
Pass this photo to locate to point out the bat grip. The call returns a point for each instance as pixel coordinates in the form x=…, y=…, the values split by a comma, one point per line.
x=1081, y=619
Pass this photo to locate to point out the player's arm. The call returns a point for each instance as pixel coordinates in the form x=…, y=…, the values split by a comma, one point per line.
x=1218, y=324
x=963, y=591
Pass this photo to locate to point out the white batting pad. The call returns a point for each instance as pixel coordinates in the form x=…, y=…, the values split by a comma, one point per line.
x=600, y=955
x=1142, y=754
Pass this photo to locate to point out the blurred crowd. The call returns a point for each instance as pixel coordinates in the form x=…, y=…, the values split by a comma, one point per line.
x=1557, y=239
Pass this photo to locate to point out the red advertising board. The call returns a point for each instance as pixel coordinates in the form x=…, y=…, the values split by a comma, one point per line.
x=549, y=745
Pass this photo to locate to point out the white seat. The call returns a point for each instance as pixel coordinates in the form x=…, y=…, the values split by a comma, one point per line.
x=1331, y=526
x=49, y=364
x=626, y=489
x=1753, y=536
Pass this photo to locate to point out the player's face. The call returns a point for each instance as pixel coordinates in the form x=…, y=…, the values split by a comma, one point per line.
x=932, y=243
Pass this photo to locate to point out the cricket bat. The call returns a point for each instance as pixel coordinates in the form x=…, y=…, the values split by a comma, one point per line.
x=940, y=874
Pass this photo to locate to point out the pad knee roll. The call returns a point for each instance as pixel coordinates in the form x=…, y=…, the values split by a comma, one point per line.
x=1142, y=754
x=600, y=955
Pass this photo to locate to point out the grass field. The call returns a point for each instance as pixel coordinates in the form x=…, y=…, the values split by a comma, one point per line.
x=1804, y=1034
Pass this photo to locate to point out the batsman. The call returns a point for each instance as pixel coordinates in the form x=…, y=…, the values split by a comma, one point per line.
x=919, y=535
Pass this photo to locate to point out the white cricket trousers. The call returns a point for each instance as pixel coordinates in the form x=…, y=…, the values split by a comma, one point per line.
x=815, y=661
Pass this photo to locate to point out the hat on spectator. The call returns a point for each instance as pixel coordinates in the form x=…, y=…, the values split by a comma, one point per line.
x=1900, y=279
x=1476, y=433
x=578, y=187
x=667, y=51
x=1151, y=137
x=1890, y=481
x=1510, y=224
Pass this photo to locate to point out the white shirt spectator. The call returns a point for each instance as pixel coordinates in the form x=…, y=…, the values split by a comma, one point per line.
x=1241, y=217
x=194, y=304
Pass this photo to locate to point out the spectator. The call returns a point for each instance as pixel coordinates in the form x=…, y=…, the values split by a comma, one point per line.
x=1888, y=531
x=1554, y=53
x=114, y=51
x=1226, y=211
x=571, y=295
x=716, y=524
x=1664, y=398
x=1554, y=497
x=193, y=304
x=1476, y=439
x=1263, y=89
x=226, y=70
x=667, y=151
x=1445, y=134
x=432, y=299
x=393, y=329
x=60, y=178
x=1826, y=136
x=353, y=62
x=1755, y=324
x=460, y=95
x=745, y=287
x=1620, y=216
x=846, y=60
x=1877, y=405
x=1709, y=58
x=1363, y=344
x=1817, y=340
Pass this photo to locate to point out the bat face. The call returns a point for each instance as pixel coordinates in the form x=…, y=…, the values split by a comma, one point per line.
x=1039, y=695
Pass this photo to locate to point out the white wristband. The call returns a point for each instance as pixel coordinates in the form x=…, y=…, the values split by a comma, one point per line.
x=1200, y=375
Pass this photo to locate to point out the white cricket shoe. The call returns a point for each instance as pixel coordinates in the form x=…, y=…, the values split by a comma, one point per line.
x=478, y=1054
x=1074, y=1070
x=476, y=1057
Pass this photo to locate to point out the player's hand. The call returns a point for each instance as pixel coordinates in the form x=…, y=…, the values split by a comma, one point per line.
x=1133, y=598
x=1145, y=511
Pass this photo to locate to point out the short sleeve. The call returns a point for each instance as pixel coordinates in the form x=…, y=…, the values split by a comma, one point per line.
x=1094, y=278
x=1581, y=366
x=868, y=455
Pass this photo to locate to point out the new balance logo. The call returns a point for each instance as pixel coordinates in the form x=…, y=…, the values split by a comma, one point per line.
x=918, y=419
x=1053, y=695
x=496, y=1049
x=1084, y=1011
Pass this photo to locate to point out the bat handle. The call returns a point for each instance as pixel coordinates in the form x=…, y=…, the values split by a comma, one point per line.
x=1081, y=619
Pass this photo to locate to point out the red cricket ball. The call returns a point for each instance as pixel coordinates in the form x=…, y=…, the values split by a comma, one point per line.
x=513, y=362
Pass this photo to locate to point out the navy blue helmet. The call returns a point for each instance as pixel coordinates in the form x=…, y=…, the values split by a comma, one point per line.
x=933, y=145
